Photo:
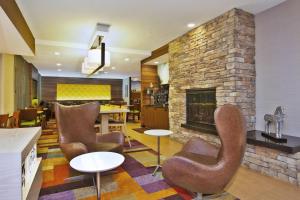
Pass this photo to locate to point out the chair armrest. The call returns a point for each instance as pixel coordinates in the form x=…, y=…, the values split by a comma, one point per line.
x=114, y=137
x=71, y=150
x=200, y=146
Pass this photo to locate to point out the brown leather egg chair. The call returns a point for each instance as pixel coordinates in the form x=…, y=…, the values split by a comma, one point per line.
x=77, y=134
x=203, y=168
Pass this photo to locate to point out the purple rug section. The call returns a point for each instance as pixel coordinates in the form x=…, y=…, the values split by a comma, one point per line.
x=67, y=195
x=143, y=176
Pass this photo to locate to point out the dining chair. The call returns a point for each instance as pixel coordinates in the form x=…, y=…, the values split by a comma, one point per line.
x=134, y=111
x=3, y=121
x=14, y=121
x=41, y=115
x=120, y=122
x=29, y=118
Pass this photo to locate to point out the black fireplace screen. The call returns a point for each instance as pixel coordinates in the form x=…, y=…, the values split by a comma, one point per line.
x=200, y=106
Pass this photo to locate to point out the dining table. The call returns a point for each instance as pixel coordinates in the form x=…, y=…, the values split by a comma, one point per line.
x=104, y=116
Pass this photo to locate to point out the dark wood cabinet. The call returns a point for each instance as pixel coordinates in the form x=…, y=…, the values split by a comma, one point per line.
x=156, y=117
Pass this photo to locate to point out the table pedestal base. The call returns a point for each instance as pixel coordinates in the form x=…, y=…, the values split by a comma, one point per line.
x=98, y=186
x=158, y=156
x=156, y=169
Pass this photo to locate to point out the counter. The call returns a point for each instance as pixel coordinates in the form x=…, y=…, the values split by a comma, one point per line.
x=20, y=169
x=155, y=117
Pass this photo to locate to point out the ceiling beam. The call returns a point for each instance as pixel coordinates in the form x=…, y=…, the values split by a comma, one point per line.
x=15, y=15
x=157, y=53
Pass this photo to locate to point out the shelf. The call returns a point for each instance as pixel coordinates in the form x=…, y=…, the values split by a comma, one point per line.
x=28, y=185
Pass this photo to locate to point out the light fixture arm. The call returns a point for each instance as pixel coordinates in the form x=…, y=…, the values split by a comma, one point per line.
x=102, y=58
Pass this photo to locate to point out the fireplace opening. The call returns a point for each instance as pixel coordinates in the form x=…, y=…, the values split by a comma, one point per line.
x=200, y=107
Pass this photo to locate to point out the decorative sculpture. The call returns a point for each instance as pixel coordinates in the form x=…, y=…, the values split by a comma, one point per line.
x=276, y=120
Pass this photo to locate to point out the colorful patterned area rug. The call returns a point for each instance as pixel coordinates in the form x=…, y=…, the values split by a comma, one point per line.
x=132, y=181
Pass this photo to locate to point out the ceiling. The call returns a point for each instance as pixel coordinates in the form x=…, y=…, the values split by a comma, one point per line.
x=137, y=28
x=159, y=60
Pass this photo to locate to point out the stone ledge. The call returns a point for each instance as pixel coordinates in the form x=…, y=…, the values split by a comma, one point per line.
x=255, y=138
x=209, y=129
x=292, y=145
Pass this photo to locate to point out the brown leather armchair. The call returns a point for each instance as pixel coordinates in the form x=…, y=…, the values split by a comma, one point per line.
x=204, y=168
x=77, y=134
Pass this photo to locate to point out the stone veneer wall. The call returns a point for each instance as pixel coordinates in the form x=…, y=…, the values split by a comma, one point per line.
x=220, y=53
x=273, y=163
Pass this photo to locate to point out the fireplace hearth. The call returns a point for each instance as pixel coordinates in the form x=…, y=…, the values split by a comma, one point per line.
x=200, y=107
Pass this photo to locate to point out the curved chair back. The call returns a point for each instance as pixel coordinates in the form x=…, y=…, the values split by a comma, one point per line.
x=231, y=128
x=76, y=123
x=28, y=114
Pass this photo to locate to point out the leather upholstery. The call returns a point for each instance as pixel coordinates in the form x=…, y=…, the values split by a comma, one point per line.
x=77, y=134
x=204, y=168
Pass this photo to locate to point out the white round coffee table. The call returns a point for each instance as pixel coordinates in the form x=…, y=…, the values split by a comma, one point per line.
x=158, y=133
x=97, y=162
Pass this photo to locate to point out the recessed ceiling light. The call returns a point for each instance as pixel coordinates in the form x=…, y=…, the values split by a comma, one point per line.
x=56, y=53
x=113, y=68
x=59, y=70
x=156, y=62
x=58, y=64
x=191, y=25
x=126, y=59
x=105, y=72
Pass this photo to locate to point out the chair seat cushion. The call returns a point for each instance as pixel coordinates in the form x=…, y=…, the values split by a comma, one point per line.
x=134, y=111
x=199, y=158
x=29, y=123
x=105, y=146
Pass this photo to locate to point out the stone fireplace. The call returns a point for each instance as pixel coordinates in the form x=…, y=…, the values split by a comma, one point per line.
x=220, y=54
x=200, y=107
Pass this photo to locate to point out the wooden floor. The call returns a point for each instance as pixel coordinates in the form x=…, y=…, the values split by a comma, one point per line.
x=246, y=185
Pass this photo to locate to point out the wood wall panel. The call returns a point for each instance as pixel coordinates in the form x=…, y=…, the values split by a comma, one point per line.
x=148, y=75
x=49, y=85
x=23, y=78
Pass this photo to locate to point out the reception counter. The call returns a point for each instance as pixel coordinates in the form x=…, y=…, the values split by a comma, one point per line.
x=20, y=168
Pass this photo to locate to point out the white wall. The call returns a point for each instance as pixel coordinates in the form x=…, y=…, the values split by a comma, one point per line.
x=278, y=64
x=163, y=73
x=7, y=84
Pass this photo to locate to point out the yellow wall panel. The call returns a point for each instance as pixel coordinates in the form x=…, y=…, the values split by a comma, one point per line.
x=83, y=92
x=7, y=84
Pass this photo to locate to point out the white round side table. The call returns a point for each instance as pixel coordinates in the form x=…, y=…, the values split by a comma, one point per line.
x=158, y=133
x=97, y=162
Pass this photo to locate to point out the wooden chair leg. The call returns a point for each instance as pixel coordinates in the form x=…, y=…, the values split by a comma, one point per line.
x=126, y=135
